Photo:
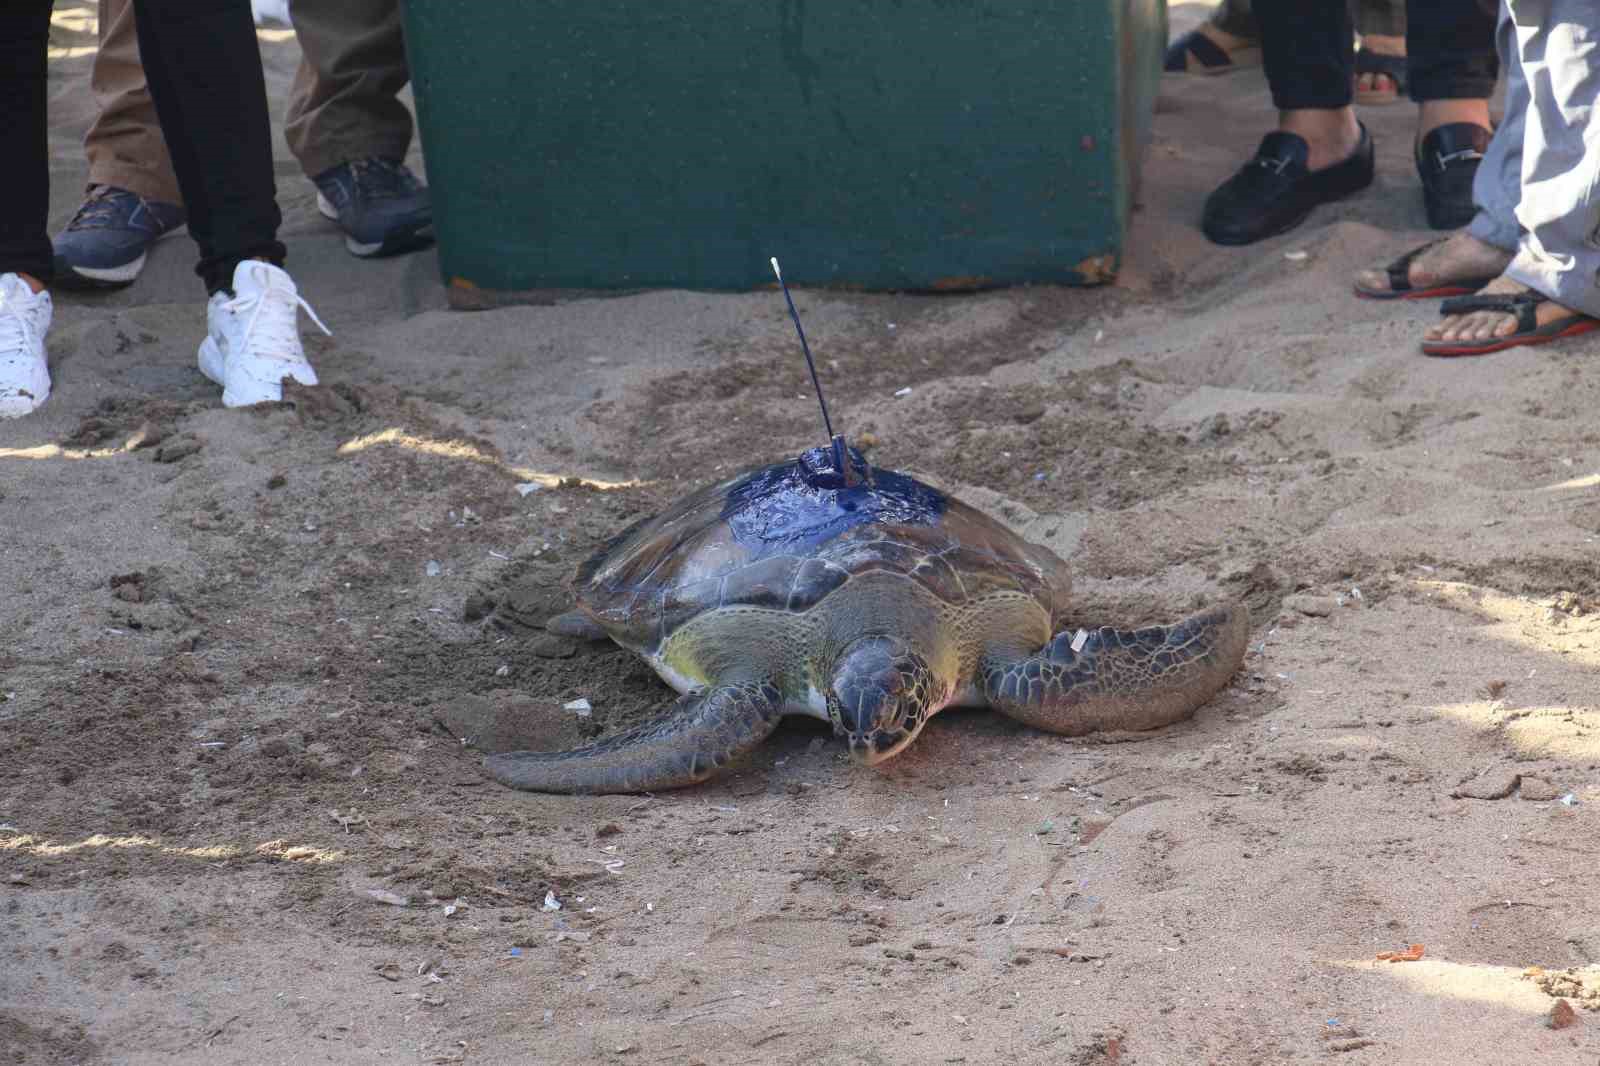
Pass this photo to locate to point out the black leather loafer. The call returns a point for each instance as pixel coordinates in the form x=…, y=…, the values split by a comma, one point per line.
x=1447, y=161
x=1274, y=192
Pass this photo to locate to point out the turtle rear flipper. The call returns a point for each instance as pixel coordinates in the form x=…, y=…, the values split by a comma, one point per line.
x=1122, y=679
x=701, y=732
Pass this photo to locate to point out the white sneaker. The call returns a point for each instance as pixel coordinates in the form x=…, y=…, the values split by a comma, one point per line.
x=253, y=336
x=24, y=373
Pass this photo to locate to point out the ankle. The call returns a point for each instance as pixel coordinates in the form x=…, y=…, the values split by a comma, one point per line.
x=1331, y=135
x=1432, y=114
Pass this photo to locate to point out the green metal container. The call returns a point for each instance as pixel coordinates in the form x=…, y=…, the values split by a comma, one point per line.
x=876, y=144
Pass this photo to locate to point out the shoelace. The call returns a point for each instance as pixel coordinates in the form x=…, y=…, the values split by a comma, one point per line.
x=379, y=178
x=281, y=333
x=16, y=325
x=100, y=209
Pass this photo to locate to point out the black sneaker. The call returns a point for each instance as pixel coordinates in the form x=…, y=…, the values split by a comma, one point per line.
x=381, y=206
x=104, y=245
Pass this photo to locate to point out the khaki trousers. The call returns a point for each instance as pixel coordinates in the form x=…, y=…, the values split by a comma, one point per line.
x=342, y=105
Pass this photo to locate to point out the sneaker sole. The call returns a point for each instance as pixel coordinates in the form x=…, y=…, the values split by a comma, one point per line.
x=405, y=240
x=17, y=404
x=211, y=365
x=394, y=244
x=70, y=276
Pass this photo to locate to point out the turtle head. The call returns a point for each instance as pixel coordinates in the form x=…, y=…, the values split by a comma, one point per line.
x=879, y=696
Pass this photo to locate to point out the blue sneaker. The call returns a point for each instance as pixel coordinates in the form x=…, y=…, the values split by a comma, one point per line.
x=104, y=245
x=381, y=206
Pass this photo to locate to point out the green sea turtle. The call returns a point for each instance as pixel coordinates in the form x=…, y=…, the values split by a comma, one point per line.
x=823, y=586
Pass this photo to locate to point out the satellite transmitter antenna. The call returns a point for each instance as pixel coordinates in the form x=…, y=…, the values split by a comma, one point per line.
x=836, y=441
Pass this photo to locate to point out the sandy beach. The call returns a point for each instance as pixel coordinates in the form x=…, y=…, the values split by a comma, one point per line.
x=237, y=825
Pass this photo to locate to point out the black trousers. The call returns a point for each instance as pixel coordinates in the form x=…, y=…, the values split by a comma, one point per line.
x=204, y=70
x=1308, y=52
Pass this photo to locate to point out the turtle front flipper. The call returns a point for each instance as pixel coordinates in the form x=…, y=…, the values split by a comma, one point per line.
x=1122, y=679
x=702, y=732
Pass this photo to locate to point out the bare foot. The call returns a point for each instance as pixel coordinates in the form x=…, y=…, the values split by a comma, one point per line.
x=1462, y=257
x=1489, y=325
x=1381, y=46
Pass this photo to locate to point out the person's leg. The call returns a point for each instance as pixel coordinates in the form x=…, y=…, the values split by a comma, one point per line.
x=24, y=247
x=1452, y=72
x=204, y=70
x=133, y=199
x=24, y=35
x=1484, y=249
x=203, y=66
x=1497, y=186
x=344, y=104
x=124, y=144
x=348, y=128
x=1558, y=48
x=1380, y=64
x=1450, y=50
x=1319, y=151
x=1308, y=53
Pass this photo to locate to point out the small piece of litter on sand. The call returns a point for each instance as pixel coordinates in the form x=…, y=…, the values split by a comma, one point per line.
x=515, y=953
x=433, y=569
x=550, y=901
x=1296, y=256
x=903, y=392
x=527, y=488
x=581, y=707
x=1569, y=800
x=393, y=899
x=1410, y=954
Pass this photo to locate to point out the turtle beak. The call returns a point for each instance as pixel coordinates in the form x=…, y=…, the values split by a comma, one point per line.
x=870, y=749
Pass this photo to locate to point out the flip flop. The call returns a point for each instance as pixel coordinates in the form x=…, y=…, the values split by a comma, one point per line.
x=1400, y=281
x=1392, y=67
x=1212, y=57
x=1522, y=304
